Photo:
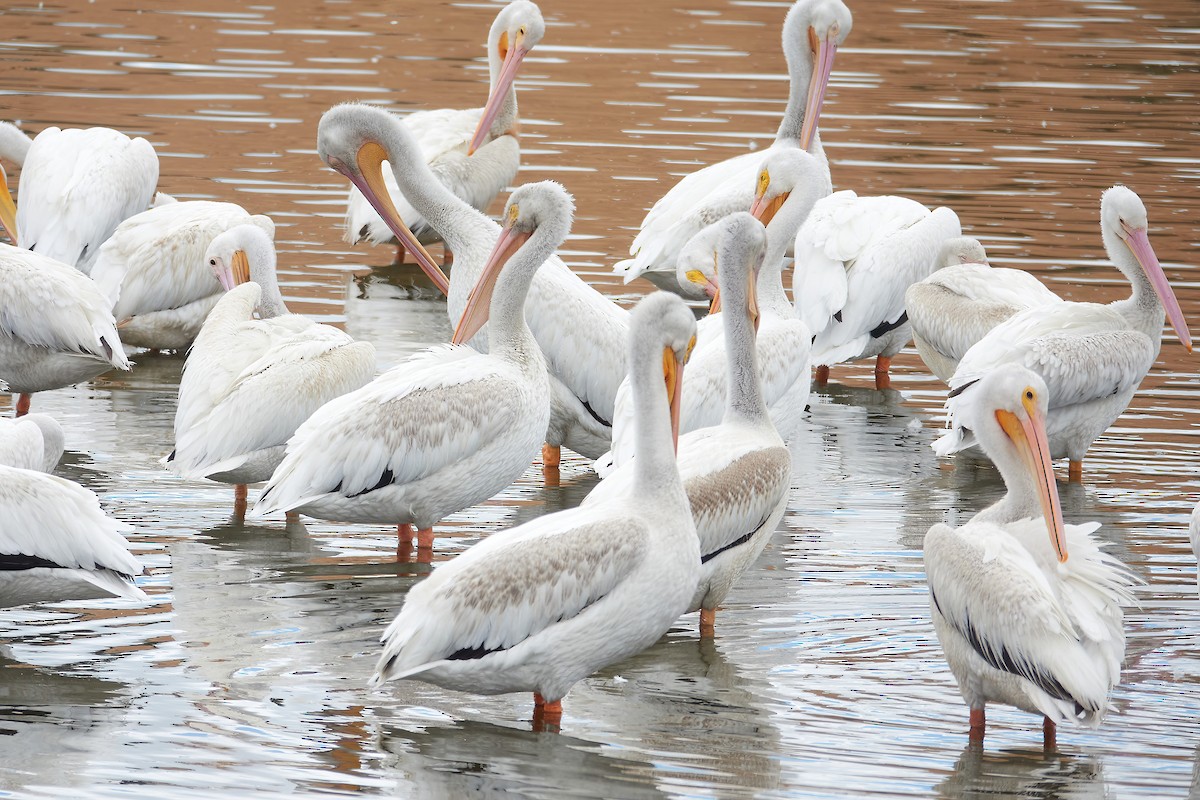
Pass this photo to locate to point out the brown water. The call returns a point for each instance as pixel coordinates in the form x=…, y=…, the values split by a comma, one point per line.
x=248, y=671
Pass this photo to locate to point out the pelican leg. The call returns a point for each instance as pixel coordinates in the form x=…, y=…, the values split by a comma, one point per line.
x=240, y=492
x=291, y=517
x=883, y=379
x=447, y=256
x=708, y=623
x=425, y=545
x=822, y=375
x=551, y=455
x=547, y=717
x=1075, y=471
x=977, y=725
x=400, y=251
x=23, y=402
x=1049, y=731
x=404, y=537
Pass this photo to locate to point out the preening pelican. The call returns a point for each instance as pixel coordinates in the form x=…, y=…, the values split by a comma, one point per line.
x=450, y=427
x=1091, y=356
x=76, y=186
x=55, y=541
x=153, y=269
x=580, y=331
x=812, y=32
x=737, y=473
x=541, y=606
x=475, y=153
x=55, y=326
x=786, y=188
x=855, y=256
x=249, y=382
x=1028, y=610
x=965, y=298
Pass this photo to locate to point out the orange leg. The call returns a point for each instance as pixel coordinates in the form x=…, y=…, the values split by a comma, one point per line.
x=447, y=256
x=404, y=537
x=1049, y=731
x=23, y=402
x=1075, y=471
x=240, y=492
x=551, y=455
x=977, y=725
x=883, y=380
x=291, y=517
x=547, y=717
x=822, y=376
x=425, y=546
x=708, y=623
x=400, y=251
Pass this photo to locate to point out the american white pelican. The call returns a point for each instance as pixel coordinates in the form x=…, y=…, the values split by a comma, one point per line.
x=541, y=606
x=1091, y=356
x=153, y=269
x=785, y=191
x=76, y=186
x=737, y=473
x=450, y=427
x=55, y=326
x=855, y=256
x=249, y=382
x=812, y=32
x=34, y=441
x=965, y=298
x=1028, y=610
x=475, y=153
x=580, y=331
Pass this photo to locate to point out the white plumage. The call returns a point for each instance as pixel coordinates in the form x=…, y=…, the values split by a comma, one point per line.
x=154, y=272
x=76, y=186
x=474, y=173
x=14, y=143
x=541, y=606
x=32, y=441
x=1194, y=535
x=1028, y=610
x=855, y=256
x=812, y=32
x=248, y=383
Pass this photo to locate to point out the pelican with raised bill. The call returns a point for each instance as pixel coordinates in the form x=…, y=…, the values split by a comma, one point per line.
x=1092, y=356
x=450, y=427
x=737, y=473
x=539, y=607
x=1028, y=610
x=475, y=153
x=255, y=372
x=812, y=32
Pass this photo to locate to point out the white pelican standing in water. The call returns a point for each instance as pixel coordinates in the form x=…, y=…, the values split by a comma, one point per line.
x=55, y=326
x=475, y=153
x=737, y=473
x=447, y=428
x=855, y=257
x=539, y=607
x=76, y=186
x=962, y=300
x=153, y=269
x=249, y=382
x=1028, y=610
x=580, y=331
x=1092, y=356
x=55, y=542
x=812, y=32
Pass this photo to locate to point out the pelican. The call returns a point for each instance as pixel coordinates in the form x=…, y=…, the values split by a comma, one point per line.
x=14, y=143
x=580, y=331
x=77, y=186
x=962, y=300
x=1020, y=622
x=786, y=189
x=737, y=473
x=1091, y=356
x=55, y=326
x=475, y=153
x=154, y=271
x=249, y=382
x=855, y=256
x=541, y=606
x=55, y=541
x=812, y=32
x=450, y=427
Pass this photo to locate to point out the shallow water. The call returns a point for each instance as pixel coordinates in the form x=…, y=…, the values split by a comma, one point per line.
x=248, y=670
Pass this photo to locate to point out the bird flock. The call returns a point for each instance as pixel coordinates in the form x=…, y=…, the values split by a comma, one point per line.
x=687, y=423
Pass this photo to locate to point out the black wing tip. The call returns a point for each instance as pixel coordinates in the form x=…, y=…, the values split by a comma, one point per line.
x=957, y=390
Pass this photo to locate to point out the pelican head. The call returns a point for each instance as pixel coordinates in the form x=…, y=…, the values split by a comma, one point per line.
x=961, y=250
x=697, y=263
x=351, y=139
x=531, y=207
x=1123, y=219
x=8, y=209
x=783, y=171
x=1007, y=410
x=817, y=29
x=518, y=28
x=663, y=319
x=742, y=247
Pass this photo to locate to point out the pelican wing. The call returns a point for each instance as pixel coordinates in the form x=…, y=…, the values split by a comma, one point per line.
x=21, y=444
x=512, y=586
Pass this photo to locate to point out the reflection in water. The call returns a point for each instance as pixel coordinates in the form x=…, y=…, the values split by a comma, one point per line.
x=1025, y=774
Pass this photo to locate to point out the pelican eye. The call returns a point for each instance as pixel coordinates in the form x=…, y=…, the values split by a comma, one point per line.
x=212, y=262
x=514, y=211
x=521, y=31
